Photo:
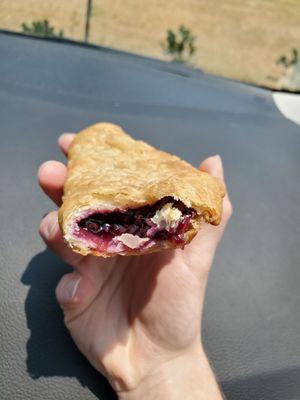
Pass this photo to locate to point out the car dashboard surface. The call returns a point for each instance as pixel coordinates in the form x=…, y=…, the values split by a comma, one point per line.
x=251, y=326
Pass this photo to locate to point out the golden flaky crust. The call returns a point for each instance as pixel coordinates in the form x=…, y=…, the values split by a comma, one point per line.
x=108, y=170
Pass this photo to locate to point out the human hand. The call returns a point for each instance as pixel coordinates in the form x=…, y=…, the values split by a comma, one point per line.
x=137, y=319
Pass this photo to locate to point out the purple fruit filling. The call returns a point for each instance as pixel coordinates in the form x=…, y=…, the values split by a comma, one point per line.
x=139, y=222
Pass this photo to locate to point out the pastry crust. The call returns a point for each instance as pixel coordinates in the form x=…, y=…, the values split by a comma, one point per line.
x=108, y=170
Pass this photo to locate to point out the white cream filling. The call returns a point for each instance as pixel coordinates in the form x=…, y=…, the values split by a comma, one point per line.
x=131, y=241
x=167, y=217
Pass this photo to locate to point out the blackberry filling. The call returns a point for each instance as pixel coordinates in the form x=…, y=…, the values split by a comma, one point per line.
x=167, y=219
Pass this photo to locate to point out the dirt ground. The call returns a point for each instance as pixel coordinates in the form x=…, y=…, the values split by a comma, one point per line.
x=236, y=39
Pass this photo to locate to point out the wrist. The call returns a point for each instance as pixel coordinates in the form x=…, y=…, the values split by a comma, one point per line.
x=187, y=375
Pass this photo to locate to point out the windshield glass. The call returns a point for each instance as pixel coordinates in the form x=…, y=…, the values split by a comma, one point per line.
x=255, y=41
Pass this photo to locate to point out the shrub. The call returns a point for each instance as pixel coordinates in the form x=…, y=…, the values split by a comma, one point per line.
x=287, y=61
x=42, y=29
x=179, y=44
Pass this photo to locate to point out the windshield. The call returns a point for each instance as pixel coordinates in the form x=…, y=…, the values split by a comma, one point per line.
x=257, y=42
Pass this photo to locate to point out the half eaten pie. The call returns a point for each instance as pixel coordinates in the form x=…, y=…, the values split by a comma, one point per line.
x=122, y=196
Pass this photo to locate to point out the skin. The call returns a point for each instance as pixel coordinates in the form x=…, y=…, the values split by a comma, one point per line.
x=138, y=319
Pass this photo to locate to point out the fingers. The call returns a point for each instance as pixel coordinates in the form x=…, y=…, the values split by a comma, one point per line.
x=64, y=141
x=213, y=165
x=68, y=291
x=51, y=177
x=74, y=294
x=52, y=236
x=52, y=174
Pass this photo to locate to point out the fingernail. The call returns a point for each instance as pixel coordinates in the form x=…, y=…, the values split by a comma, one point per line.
x=218, y=168
x=42, y=166
x=52, y=226
x=65, y=135
x=68, y=292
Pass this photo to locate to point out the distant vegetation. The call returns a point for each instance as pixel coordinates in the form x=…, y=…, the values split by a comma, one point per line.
x=179, y=44
x=289, y=60
x=42, y=29
x=290, y=79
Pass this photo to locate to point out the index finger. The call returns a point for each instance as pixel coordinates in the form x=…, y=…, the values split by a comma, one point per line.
x=64, y=142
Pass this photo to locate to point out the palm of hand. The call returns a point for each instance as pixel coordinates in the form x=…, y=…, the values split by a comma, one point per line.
x=139, y=305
